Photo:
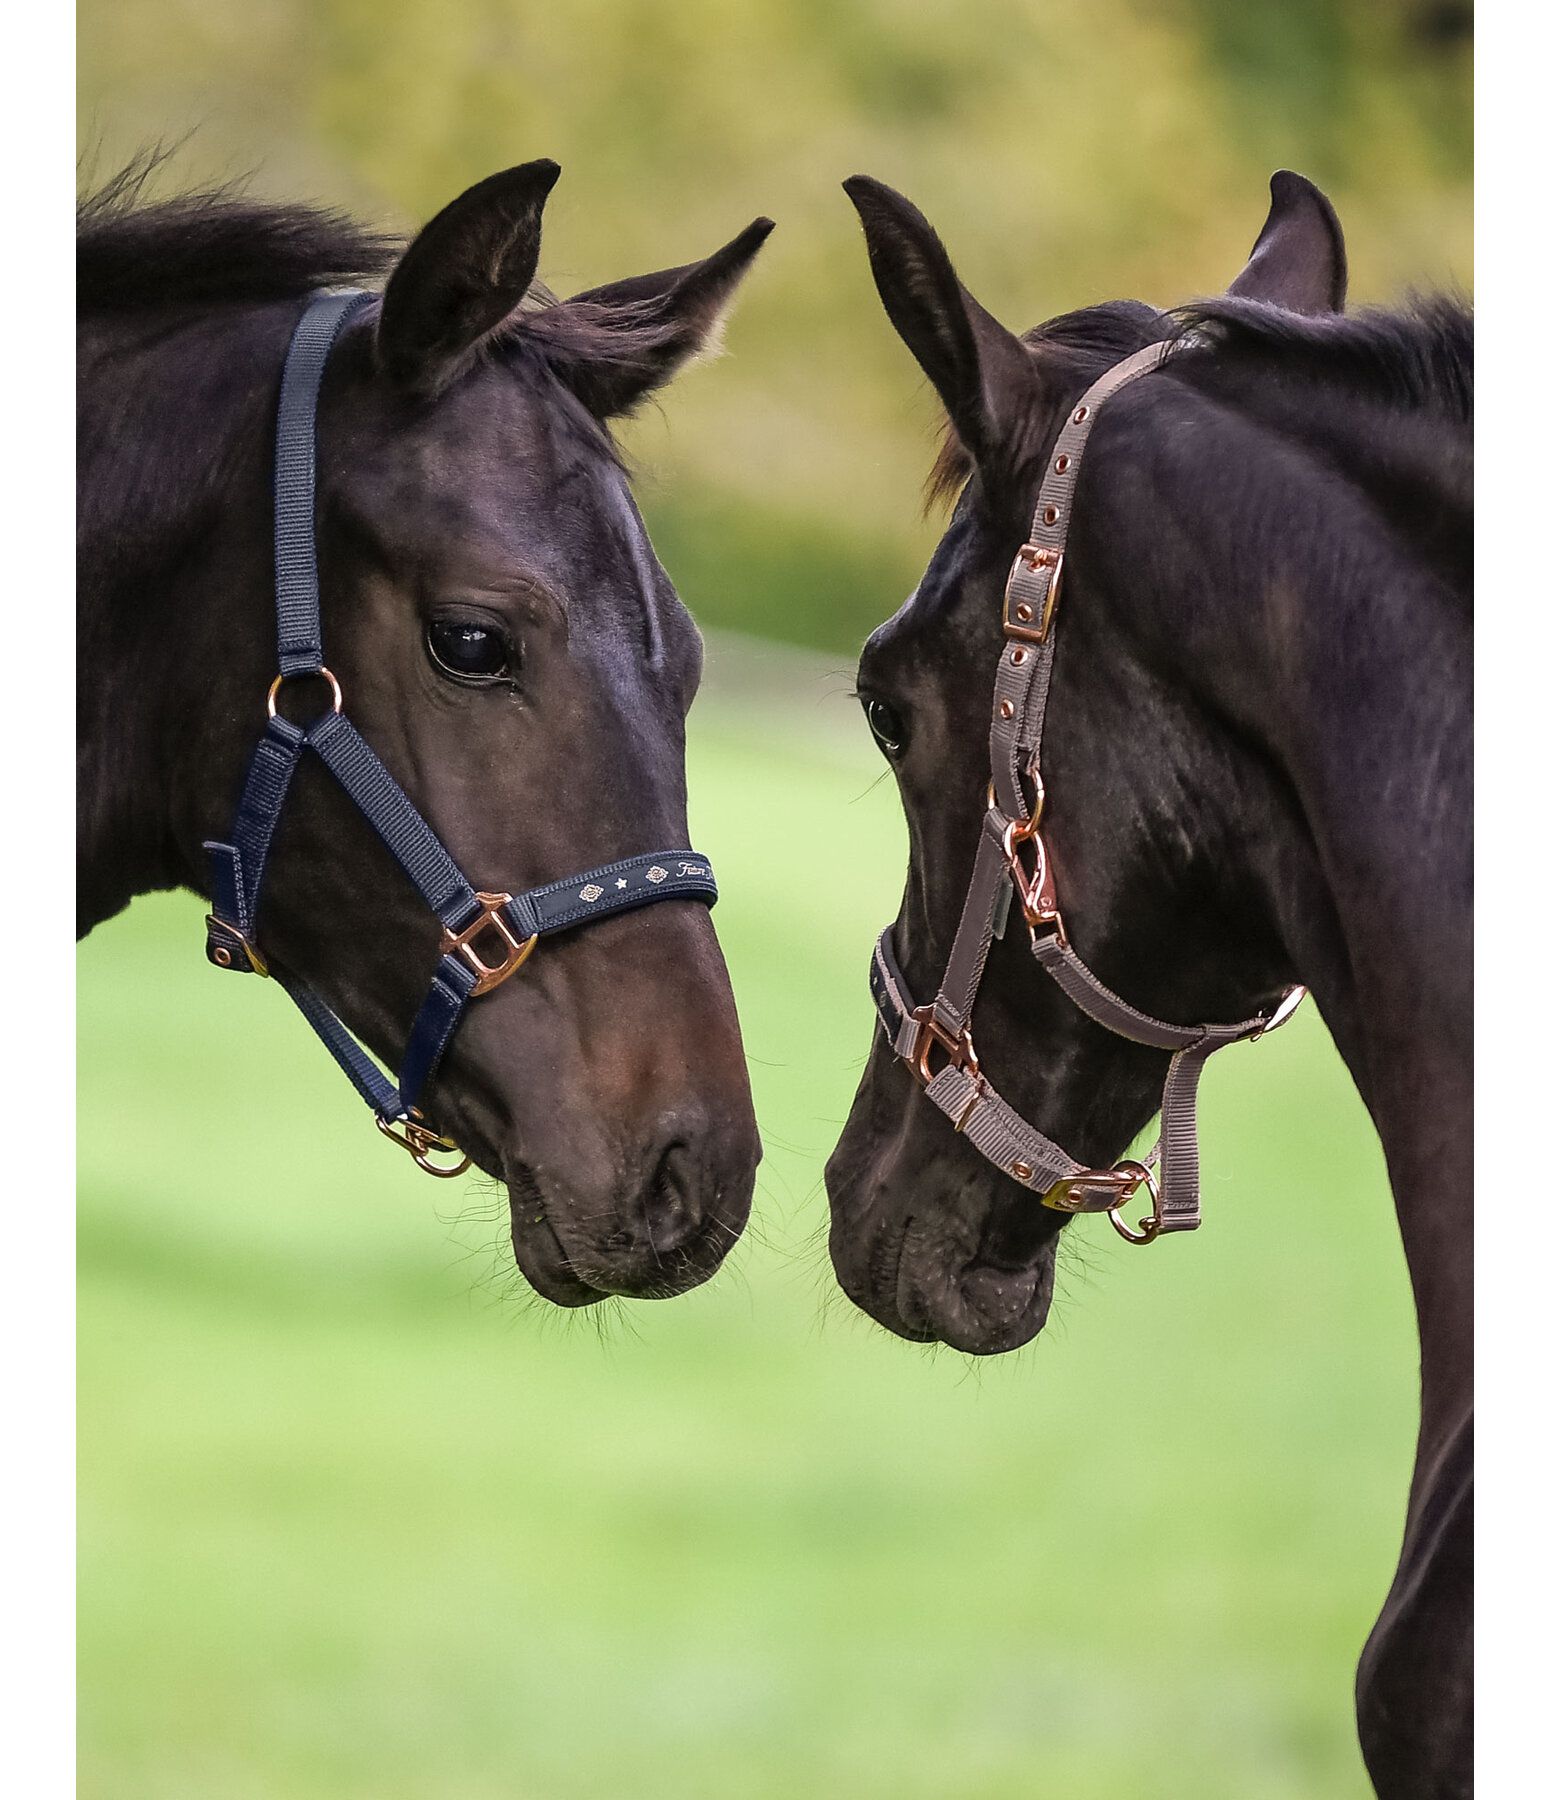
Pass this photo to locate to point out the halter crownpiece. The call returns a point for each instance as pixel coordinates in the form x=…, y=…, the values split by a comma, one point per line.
x=486, y=938
x=1012, y=860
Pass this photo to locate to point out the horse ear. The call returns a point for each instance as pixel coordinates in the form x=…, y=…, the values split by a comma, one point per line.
x=1298, y=260
x=613, y=345
x=985, y=375
x=464, y=273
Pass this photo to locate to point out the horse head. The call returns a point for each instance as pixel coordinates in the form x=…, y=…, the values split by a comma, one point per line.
x=508, y=644
x=1150, y=798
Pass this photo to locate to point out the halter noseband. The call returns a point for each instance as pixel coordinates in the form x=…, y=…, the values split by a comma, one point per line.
x=1012, y=858
x=486, y=938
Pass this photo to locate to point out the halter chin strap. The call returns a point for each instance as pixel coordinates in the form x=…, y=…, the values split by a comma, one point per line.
x=1012, y=860
x=485, y=937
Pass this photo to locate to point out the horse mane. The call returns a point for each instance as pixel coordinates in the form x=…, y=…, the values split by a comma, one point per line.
x=214, y=245
x=211, y=246
x=1418, y=356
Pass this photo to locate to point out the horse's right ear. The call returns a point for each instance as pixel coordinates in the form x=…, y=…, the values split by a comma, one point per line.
x=985, y=375
x=1298, y=259
x=464, y=274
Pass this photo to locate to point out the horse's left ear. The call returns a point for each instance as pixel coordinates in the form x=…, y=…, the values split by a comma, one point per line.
x=1298, y=260
x=613, y=345
x=463, y=275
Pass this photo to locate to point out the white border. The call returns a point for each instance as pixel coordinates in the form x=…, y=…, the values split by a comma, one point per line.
x=37, y=1055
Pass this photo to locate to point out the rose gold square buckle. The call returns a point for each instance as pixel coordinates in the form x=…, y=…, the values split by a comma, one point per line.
x=516, y=950
x=1023, y=620
x=959, y=1050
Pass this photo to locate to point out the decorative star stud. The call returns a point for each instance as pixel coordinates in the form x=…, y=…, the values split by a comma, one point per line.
x=621, y=883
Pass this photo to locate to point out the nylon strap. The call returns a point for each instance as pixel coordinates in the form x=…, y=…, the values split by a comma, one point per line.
x=1021, y=696
x=295, y=480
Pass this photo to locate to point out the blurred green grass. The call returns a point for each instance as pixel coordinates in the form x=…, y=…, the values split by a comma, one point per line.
x=360, y=1523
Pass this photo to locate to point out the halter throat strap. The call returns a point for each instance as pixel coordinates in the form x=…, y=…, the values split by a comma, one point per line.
x=486, y=937
x=1012, y=863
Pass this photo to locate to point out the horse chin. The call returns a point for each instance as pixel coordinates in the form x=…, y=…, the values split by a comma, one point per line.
x=566, y=1259
x=541, y=1258
x=969, y=1303
x=960, y=1258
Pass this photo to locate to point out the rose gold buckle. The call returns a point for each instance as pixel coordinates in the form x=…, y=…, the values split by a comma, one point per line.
x=1107, y=1190
x=1035, y=892
x=1021, y=621
x=419, y=1140
x=959, y=1050
x=516, y=952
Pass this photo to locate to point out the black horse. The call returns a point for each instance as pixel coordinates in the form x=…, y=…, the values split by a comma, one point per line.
x=1257, y=752
x=509, y=645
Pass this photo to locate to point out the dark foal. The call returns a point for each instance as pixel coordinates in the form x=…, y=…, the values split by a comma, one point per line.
x=508, y=645
x=1257, y=757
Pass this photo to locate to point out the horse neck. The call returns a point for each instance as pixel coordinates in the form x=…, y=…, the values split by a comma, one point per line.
x=175, y=622
x=1374, y=731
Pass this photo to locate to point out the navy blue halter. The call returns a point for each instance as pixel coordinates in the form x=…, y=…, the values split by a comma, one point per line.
x=476, y=926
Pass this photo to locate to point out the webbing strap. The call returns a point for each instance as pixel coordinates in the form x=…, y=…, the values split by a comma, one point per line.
x=238, y=867
x=995, y=1129
x=394, y=817
x=1017, y=726
x=1032, y=590
x=295, y=480
x=365, y=1077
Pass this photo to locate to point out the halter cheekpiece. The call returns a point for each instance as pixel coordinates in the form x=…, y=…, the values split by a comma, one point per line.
x=486, y=938
x=1012, y=860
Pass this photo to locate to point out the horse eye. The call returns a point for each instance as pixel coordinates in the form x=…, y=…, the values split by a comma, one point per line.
x=476, y=652
x=887, y=727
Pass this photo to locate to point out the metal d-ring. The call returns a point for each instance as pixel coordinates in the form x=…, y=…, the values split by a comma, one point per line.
x=1031, y=823
x=419, y=1140
x=1147, y=1229
x=321, y=673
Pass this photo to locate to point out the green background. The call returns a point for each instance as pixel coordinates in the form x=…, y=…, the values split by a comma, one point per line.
x=361, y=1518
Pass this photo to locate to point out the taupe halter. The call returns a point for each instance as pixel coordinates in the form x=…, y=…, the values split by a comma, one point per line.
x=1171, y=1170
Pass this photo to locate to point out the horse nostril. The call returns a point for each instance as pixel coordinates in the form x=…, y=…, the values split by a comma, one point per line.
x=670, y=1215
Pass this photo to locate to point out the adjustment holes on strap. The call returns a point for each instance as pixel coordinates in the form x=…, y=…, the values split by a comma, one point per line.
x=1080, y=414
x=1062, y=463
x=1050, y=514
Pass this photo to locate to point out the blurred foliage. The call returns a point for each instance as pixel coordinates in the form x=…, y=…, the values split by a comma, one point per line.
x=1067, y=150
